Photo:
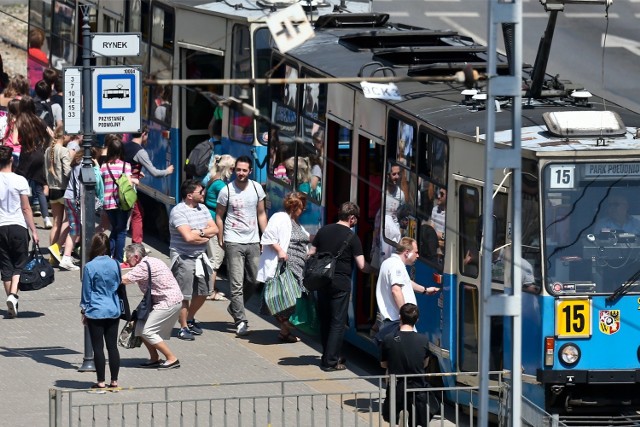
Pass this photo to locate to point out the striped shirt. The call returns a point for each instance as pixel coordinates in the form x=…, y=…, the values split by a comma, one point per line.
x=110, y=190
x=196, y=218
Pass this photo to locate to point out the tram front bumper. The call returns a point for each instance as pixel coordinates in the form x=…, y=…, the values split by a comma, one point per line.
x=564, y=376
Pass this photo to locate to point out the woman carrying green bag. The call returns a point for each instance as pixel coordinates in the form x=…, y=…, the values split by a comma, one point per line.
x=284, y=241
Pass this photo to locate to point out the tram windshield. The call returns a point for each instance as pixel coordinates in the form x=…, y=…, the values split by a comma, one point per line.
x=592, y=227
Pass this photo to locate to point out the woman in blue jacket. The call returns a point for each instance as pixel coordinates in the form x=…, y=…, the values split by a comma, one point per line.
x=100, y=308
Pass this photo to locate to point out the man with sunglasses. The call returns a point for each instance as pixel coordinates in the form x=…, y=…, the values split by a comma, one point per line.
x=190, y=227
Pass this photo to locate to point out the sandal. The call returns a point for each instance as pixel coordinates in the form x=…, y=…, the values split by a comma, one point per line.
x=217, y=296
x=289, y=338
x=98, y=389
x=113, y=387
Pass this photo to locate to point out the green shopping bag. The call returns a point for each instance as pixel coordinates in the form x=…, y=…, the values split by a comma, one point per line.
x=305, y=316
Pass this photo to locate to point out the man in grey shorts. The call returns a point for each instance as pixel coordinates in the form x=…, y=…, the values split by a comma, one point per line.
x=191, y=226
x=241, y=204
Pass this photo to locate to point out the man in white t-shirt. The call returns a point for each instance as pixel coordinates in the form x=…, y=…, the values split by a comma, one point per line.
x=16, y=219
x=395, y=287
x=240, y=213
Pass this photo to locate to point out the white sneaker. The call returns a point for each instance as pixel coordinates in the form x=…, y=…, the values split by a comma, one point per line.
x=243, y=329
x=47, y=223
x=67, y=264
x=12, y=305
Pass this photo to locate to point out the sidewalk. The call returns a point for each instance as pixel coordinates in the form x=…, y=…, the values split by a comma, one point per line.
x=43, y=348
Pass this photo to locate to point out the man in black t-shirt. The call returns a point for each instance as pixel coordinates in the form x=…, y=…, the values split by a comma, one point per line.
x=333, y=301
x=403, y=354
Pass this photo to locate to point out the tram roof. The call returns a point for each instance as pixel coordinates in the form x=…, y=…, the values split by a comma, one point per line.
x=441, y=104
x=259, y=10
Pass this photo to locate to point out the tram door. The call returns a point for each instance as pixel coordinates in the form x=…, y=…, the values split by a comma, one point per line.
x=370, y=164
x=469, y=208
x=338, y=170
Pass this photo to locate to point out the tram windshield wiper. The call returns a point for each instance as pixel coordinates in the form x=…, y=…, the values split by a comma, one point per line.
x=625, y=287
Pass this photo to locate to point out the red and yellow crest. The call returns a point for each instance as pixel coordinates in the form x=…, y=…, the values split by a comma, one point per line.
x=609, y=321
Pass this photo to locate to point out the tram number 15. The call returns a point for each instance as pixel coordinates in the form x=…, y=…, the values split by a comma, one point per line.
x=573, y=318
x=562, y=176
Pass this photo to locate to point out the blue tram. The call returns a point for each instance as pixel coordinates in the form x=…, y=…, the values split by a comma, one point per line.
x=415, y=165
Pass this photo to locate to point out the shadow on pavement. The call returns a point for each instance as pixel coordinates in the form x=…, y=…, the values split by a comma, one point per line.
x=42, y=355
x=72, y=384
x=303, y=360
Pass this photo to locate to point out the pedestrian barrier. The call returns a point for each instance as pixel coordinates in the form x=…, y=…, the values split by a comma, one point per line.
x=343, y=401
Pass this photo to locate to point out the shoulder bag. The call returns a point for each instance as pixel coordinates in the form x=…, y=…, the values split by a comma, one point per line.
x=146, y=305
x=37, y=273
x=320, y=267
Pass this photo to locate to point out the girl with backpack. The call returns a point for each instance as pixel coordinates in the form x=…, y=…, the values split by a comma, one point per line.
x=111, y=170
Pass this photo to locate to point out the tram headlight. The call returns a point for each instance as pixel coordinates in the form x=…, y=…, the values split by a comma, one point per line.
x=569, y=354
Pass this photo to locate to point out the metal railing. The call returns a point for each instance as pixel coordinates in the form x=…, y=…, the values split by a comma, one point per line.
x=344, y=401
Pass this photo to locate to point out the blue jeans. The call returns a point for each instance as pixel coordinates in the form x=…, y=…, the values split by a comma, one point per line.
x=333, y=306
x=38, y=193
x=118, y=219
x=242, y=268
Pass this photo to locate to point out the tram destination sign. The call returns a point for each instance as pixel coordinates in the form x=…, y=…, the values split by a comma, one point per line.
x=115, y=44
x=612, y=169
x=116, y=99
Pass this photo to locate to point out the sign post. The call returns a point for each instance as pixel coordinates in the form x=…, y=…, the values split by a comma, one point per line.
x=110, y=103
x=87, y=177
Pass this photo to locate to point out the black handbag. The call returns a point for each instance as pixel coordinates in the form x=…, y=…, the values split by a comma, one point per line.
x=319, y=268
x=37, y=273
x=146, y=304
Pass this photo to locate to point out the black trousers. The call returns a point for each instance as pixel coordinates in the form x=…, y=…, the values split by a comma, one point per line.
x=105, y=331
x=333, y=310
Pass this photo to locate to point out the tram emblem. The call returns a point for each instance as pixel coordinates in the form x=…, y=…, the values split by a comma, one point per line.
x=609, y=321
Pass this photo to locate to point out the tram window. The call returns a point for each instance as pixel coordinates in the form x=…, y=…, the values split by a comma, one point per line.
x=400, y=143
x=314, y=102
x=501, y=251
x=241, y=126
x=62, y=46
x=199, y=110
x=160, y=67
x=470, y=231
x=162, y=28
x=134, y=13
x=439, y=152
x=39, y=10
x=314, y=149
x=279, y=152
x=284, y=101
x=262, y=46
x=405, y=151
x=399, y=207
x=432, y=160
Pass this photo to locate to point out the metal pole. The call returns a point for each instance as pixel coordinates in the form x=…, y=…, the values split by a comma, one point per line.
x=509, y=304
x=87, y=176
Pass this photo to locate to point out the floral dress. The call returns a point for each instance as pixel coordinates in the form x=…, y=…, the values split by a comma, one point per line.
x=297, y=251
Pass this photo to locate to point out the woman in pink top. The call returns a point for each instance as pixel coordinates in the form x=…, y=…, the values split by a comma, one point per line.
x=111, y=170
x=167, y=301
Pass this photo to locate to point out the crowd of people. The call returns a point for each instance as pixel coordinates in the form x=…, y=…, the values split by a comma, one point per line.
x=221, y=216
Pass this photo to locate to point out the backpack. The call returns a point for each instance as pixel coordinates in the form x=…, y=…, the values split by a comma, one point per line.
x=43, y=110
x=197, y=163
x=127, y=195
